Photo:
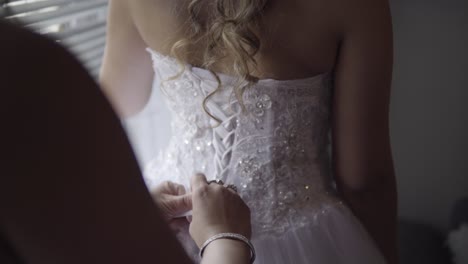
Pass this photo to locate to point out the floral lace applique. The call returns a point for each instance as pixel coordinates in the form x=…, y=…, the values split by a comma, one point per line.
x=274, y=152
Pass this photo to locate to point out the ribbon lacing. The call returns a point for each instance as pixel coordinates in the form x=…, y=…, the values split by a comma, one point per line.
x=224, y=138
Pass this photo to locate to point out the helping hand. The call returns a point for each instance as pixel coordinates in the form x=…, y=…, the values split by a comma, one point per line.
x=172, y=199
x=217, y=209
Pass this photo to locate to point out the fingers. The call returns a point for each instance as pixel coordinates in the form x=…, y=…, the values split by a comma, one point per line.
x=182, y=204
x=232, y=188
x=232, y=191
x=180, y=189
x=170, y=188
x=198, y=181
x=187, y=201
x=174, y=188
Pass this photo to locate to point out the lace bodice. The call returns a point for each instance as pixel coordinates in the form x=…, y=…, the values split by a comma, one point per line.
x=275, y=151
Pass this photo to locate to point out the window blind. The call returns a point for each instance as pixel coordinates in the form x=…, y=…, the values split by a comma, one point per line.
x=79, y=25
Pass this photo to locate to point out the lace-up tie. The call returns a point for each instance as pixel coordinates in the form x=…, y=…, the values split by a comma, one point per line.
x=224, y=138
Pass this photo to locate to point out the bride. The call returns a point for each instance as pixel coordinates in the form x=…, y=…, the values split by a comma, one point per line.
x=257, y=93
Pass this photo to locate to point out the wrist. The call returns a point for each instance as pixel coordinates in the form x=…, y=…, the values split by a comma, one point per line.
x=228, y=248
x=232, y=246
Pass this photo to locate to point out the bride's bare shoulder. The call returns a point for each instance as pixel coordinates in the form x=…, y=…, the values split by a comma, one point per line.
x=343, y=11
x=357, y=11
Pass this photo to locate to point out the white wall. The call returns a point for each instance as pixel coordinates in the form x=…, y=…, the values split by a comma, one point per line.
x=429, y=111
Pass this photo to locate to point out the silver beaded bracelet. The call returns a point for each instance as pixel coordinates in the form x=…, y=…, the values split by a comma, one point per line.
x=230, y=236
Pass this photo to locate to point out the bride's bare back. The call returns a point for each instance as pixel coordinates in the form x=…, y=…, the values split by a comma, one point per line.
x=299, y=38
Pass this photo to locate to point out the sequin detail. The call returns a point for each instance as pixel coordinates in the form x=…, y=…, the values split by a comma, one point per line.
x=274, y=152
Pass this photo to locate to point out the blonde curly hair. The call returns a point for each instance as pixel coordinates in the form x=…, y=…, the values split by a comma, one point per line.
x=229, y=33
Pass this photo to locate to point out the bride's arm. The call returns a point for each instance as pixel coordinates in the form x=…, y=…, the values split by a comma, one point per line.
x=126, y=75
x=361, y=141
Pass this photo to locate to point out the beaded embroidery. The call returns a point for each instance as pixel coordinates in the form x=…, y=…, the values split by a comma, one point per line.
x=275, y=152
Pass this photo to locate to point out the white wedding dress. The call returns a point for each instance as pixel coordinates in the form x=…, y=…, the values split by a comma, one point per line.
x=276, y=152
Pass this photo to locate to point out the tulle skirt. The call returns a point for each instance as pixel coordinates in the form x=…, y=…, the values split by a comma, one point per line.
x=337, y=237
